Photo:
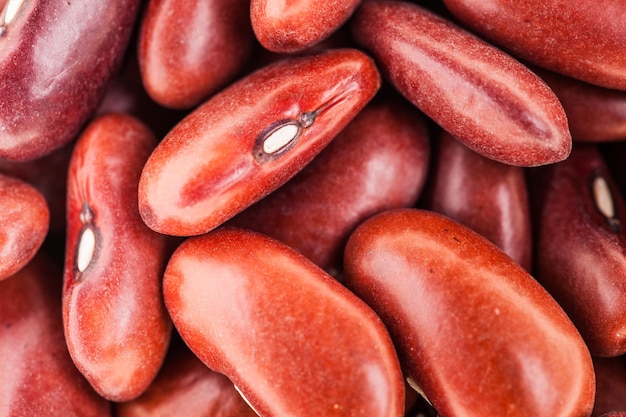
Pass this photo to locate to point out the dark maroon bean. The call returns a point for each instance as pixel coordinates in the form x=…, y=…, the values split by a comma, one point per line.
x=580, y=222
x=485, y=195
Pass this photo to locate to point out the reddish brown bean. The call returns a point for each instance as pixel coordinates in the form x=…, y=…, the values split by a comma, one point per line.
x=38, y=376
x=581, y=246
x=583, y=39
x=482, y=96
x=474, y=331
x=56, y=58
x=379, y=161
x=186, y=387
x=488, y=197
x=126, y=94
x=116, y=325
x=251, y=138
x=188, y=49
x=290, y=26
x=595, y=114
x=24, y=223
x=48, y=175
x=292, y=339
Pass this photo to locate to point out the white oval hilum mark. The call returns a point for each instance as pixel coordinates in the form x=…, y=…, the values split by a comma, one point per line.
x=603, y=197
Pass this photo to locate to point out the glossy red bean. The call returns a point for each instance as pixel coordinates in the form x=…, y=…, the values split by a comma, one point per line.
x=290, y=26
x=488, y=197
x=583, y=39
x=24, y=223
x=251, y=138
x=116, y=325
x=56, y=58
x=379, y=161
x=291, y=338
x=188, y=49
x=482, y=96
x=38, y=376
x=581, y=246
x=474, y=331
x=595, y=114
x=186, y=387
x=610, y=385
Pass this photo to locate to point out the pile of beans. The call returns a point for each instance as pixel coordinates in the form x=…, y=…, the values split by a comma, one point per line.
x=374, y=208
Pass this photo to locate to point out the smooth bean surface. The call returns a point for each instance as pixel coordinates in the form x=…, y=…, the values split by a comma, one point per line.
x=485, y=195
x=205, y=46
x=290, y=337
x=474, y=331
x=581, y=246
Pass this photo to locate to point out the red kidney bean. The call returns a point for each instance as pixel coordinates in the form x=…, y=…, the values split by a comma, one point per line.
x=126, y=94
x=38, y=376
x=583, y=39
x=251, y=138
x=473, y=330
x=482, y=96
x=581, y=246
x=48, y=175
x=595, y=114
x=55, y=60
x=610, y=385
x=296, y=25
x=24, y=219
x=291, y=338
x=186, y=387
x=615, y=414
x=488, y=197
x=379, y=161
x=116, y=325
x=188, y=49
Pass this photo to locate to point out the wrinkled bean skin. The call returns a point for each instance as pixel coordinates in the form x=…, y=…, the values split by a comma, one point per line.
x=583, y=39
x=294, y=25
x=594, y=114
x=211, y=167
x=379, y=161
x=610, y=385
x=580, y=250
x=188, y=49
x=24, y=223
x=469, y=323
x=186, y=387
x=615, y=414
x=56, y=57
x=482, y=96
x=38, y=376
x=488, y=197
x=292, y=339
x=116, y=325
